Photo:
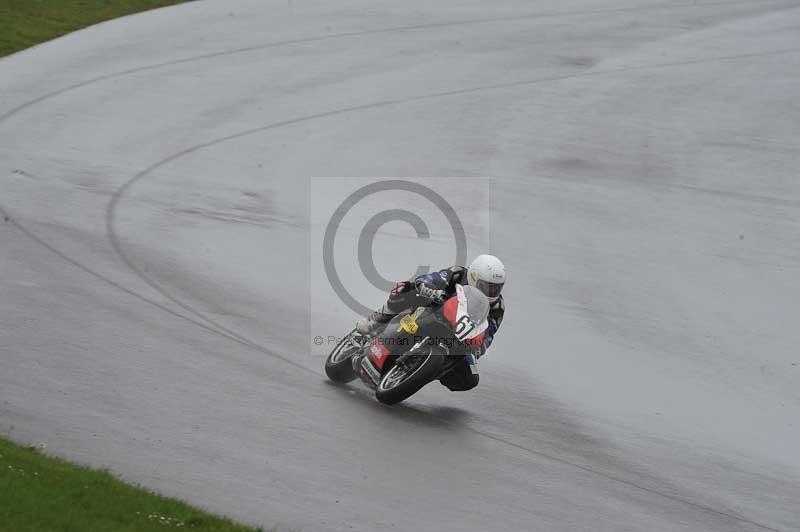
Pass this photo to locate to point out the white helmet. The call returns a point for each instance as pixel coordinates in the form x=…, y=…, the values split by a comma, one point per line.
x=487, y=274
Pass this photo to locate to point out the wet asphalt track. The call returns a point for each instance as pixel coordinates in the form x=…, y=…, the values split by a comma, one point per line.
x=644, y=194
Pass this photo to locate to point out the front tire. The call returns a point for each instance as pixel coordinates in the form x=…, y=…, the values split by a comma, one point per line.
x=402, y=381
x=339, y=365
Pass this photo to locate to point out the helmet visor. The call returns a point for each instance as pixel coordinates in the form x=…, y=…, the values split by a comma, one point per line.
x=489, y=289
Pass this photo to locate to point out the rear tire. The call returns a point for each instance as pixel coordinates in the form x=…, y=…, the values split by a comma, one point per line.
x=338, y=365
x=392, y=393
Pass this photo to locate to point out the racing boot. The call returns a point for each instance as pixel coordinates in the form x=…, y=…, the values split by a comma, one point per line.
x=375, y=322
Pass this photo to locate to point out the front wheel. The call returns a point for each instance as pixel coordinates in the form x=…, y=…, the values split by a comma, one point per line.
x=409, y=376
x=338, y=365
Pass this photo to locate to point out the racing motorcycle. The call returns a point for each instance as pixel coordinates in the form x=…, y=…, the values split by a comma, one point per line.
x=415, y=348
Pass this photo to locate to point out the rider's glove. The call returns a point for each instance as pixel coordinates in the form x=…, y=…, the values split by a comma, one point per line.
x=437, y=296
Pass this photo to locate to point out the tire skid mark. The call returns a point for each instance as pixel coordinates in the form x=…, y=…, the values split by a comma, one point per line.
x=9, y=219
x=209, y=325
x=395, y=29
x=116, y=242
x=591, y=472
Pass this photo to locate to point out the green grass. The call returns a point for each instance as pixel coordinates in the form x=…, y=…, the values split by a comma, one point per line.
x=43, y=494
x=24, y=23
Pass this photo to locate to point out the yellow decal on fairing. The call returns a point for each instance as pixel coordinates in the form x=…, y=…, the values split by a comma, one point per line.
x=409, y=324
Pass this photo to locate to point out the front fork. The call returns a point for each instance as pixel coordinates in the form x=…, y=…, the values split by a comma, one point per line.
x=371, y=375
x=415, y=349
x=471, y=359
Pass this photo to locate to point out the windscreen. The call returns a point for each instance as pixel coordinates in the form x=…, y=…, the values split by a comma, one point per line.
x=477, y=304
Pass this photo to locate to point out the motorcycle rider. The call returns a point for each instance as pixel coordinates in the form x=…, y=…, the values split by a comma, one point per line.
x=486, y=273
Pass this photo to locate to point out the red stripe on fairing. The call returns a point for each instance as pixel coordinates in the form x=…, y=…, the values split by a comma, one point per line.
x=477, y=340
x=450, y=310
x=379, y=353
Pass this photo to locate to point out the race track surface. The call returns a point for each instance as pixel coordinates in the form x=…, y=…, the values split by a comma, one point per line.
x=158, y=298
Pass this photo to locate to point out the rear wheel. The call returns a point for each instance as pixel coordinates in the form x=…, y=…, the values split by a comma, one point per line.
x=339, y=365
x=409, y=376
